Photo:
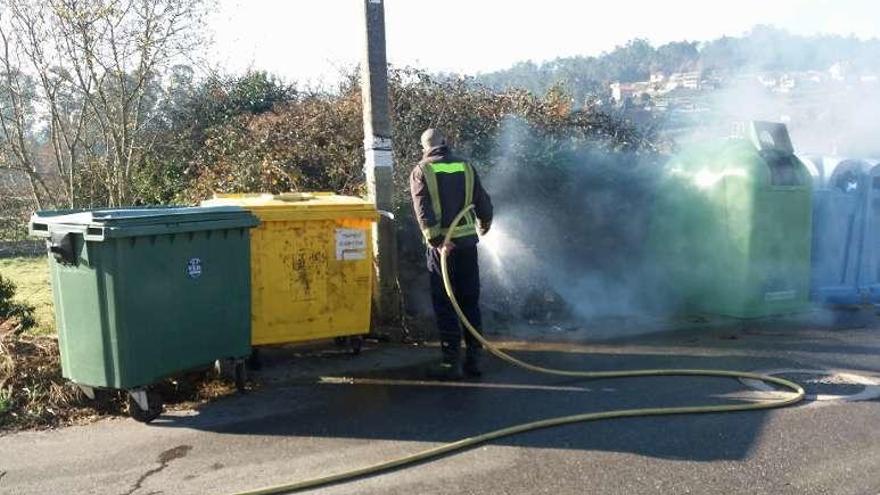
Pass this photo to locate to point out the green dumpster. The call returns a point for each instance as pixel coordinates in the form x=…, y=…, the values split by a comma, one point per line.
x=730, y=230
x=141, y=294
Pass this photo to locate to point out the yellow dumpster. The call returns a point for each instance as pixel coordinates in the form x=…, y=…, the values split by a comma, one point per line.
x=311, y=265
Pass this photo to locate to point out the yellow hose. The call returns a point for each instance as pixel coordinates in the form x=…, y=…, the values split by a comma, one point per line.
x=544, y=423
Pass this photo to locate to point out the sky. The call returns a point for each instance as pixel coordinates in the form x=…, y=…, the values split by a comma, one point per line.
x=313, y=40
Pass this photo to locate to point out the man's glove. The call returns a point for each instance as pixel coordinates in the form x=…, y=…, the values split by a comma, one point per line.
x=484, y=227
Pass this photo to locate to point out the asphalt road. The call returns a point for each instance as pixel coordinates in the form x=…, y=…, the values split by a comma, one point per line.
x=298, y=426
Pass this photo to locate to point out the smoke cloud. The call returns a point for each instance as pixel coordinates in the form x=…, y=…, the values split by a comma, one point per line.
x=827, y=112
x=570, y=225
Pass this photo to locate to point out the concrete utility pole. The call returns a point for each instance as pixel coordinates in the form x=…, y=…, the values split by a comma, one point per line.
x=379, y=160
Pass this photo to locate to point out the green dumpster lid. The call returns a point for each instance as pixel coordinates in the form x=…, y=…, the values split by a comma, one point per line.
x=128, y=222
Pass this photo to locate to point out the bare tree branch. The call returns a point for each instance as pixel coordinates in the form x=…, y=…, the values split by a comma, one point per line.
x=98, y=65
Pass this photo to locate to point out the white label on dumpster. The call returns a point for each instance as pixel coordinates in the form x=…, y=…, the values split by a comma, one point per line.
x=351, y=244
x=194, y=268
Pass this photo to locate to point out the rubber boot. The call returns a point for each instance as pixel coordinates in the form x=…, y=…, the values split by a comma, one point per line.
x=472, y=363
x=449, y=368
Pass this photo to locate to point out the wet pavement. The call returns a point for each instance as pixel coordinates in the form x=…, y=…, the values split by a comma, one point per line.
x=320, y=413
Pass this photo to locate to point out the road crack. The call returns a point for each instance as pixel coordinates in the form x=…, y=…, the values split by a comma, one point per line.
x=164, y=460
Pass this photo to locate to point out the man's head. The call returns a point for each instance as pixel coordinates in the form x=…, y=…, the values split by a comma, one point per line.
x=432, y=138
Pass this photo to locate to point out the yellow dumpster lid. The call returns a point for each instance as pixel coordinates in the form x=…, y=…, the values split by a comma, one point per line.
x=297, y=203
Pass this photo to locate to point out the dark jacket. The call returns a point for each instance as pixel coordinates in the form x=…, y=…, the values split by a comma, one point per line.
x=452, y=193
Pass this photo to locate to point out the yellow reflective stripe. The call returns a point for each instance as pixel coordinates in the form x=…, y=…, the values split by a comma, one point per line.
x=432, y=232
x=464, y=231
x=460, y=231
x=448, y=168
x=434, y=191
x=468, y=184
x=470, y=219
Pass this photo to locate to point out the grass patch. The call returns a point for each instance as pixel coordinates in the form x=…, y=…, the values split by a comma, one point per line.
x=31, y=278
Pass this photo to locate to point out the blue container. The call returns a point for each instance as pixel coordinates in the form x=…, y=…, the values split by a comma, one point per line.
x=816, y=166
x=843, y=215
x=869, y=278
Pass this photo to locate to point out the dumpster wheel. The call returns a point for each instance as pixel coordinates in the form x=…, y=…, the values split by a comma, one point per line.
x=240, y=376
x=355, y=343
x=145, y=405
x=796, y=396
x=234, y=369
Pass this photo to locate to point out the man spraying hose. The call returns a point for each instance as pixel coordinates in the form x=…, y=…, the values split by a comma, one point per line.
x=441, y=185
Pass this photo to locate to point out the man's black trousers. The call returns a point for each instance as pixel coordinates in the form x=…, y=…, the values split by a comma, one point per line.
x=464, y=272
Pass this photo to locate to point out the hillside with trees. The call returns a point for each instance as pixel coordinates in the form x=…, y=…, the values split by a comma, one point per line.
x=764, y=48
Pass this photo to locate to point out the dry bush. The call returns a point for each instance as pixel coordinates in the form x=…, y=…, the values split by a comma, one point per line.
x=32, y=390
x=33, y=394
x=313, y=140
x=310, y=144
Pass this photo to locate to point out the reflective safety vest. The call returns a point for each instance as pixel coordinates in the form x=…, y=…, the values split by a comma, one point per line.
x=468, y=225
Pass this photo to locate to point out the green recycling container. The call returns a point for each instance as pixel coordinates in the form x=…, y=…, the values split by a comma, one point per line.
x=141, y=294
x=731, y=228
